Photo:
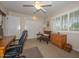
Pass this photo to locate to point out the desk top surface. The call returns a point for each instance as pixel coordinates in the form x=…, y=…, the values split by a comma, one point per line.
x=5, y=41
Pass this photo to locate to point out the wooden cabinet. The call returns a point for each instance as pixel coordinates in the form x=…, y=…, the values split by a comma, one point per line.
x=59, y=40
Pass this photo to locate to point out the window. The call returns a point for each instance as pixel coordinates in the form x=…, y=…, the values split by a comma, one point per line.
x=67, y=22
x=74, y=21
x=57, y=24
x=64, y=22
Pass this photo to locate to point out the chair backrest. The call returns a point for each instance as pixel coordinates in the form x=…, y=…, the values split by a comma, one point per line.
x=48, y=32
x=21, y=36
x=21, y=42
x=22, y=39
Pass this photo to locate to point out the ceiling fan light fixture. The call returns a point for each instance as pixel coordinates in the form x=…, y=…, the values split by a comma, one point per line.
x=37, y=5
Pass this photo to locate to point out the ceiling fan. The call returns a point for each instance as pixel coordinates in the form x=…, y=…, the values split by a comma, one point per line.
x=38, y=6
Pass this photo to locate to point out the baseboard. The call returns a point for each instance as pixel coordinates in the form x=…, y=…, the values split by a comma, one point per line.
x=76, y=49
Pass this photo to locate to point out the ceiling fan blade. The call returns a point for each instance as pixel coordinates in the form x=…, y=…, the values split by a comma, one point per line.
x=42, y=9
x=28, y=6
x=36, y=11
x=46, y=5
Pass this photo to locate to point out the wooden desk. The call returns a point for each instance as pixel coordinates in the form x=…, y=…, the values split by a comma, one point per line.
x=4, y=43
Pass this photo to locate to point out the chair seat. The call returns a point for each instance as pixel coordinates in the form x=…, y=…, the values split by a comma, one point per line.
x=10, y=54
x=13, y=50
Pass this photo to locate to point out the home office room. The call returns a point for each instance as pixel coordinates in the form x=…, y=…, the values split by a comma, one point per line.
x=39, y=29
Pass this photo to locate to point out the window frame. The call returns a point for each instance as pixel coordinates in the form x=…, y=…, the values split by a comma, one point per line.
x=68, y=17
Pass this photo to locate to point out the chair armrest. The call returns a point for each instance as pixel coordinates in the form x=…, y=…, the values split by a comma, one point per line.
x=13, y=43
x=14, y=47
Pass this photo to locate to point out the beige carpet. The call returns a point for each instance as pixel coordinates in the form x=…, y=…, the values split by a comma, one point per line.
x=33, y=52
x=50, y=50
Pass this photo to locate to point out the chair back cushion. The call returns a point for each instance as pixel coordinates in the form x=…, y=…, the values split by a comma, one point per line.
x=48, y=32
x=22, y=41
x=21, y=37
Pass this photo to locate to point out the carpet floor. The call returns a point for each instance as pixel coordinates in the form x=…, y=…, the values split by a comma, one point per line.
x=48, y=50
x=32, y=53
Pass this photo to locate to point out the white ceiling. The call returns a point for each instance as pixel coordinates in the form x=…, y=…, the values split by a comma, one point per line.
x=17, y=7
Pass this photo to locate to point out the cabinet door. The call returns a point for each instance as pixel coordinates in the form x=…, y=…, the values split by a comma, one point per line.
x=55, y=39
x=51, y=38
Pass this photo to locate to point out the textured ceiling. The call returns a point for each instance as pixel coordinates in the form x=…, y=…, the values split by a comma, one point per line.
x=17, y=7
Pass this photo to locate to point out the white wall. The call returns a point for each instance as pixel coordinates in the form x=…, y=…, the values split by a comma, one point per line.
x=4, y=18
x=0, y=19
x=73, y=39
x=25, y=21
x=3, y=9
x=33, y=27
x=12, y=24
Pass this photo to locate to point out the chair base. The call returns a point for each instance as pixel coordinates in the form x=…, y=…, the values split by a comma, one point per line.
x=20, y=57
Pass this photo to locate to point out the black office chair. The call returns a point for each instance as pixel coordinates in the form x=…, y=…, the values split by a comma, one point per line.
x=17, y=40
x=16, y=50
